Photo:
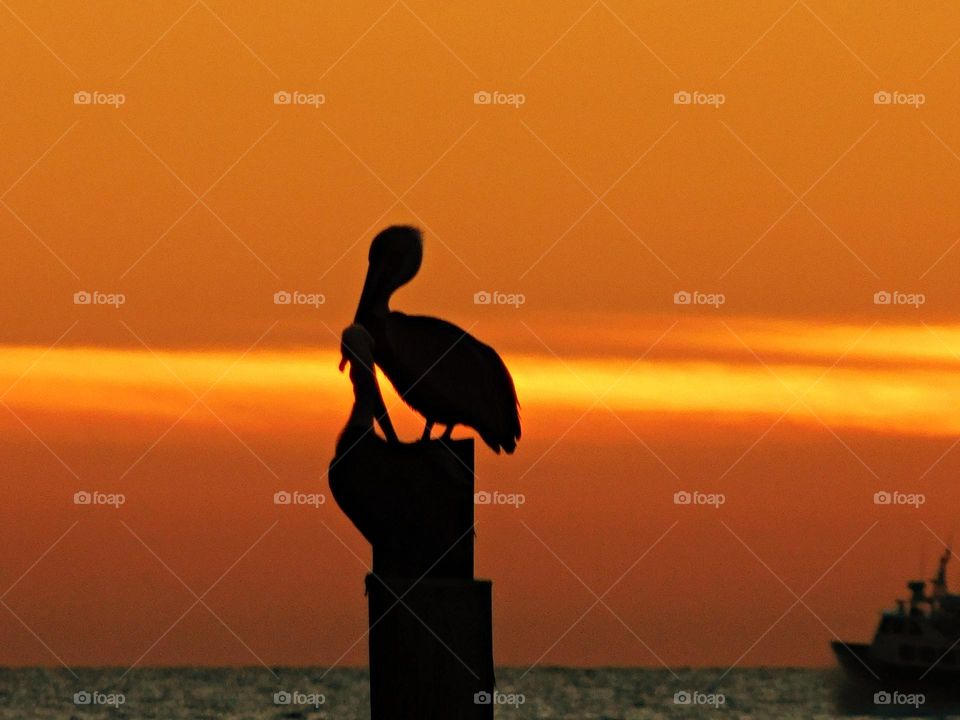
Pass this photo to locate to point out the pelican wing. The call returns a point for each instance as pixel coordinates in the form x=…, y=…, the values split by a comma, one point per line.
x=449, y=376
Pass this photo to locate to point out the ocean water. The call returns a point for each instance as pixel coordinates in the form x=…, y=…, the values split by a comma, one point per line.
x=343, y=694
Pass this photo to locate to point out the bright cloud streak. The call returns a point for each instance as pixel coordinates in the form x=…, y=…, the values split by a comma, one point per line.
x=903, y=395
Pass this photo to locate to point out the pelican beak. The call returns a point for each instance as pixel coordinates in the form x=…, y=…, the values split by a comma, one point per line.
x=371, y=288
x=343, y=363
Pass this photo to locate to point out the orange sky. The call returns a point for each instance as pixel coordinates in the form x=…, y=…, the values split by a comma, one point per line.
x=597, y=199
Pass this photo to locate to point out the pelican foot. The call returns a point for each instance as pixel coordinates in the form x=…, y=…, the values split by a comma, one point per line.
x=427, y=429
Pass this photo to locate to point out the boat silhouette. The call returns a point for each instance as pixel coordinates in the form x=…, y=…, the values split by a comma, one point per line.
x=918, y=642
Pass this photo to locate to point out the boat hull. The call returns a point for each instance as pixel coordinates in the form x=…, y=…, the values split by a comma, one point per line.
x=855, y=659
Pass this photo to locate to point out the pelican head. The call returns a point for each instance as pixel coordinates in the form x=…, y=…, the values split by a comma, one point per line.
x=356, y=346
x=394, y=260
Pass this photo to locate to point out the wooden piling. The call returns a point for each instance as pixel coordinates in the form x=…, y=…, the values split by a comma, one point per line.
x=431, y=649
x=431, y=636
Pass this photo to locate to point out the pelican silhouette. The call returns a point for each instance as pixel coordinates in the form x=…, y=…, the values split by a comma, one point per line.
x=397, y=494
x=356, y=348
x=439, y=369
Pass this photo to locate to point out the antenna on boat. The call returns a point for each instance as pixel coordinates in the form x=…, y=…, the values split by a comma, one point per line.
x=923, y=556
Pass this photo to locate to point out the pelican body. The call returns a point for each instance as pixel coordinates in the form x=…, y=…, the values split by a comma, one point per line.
x=439, y=369
x=411, y=501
